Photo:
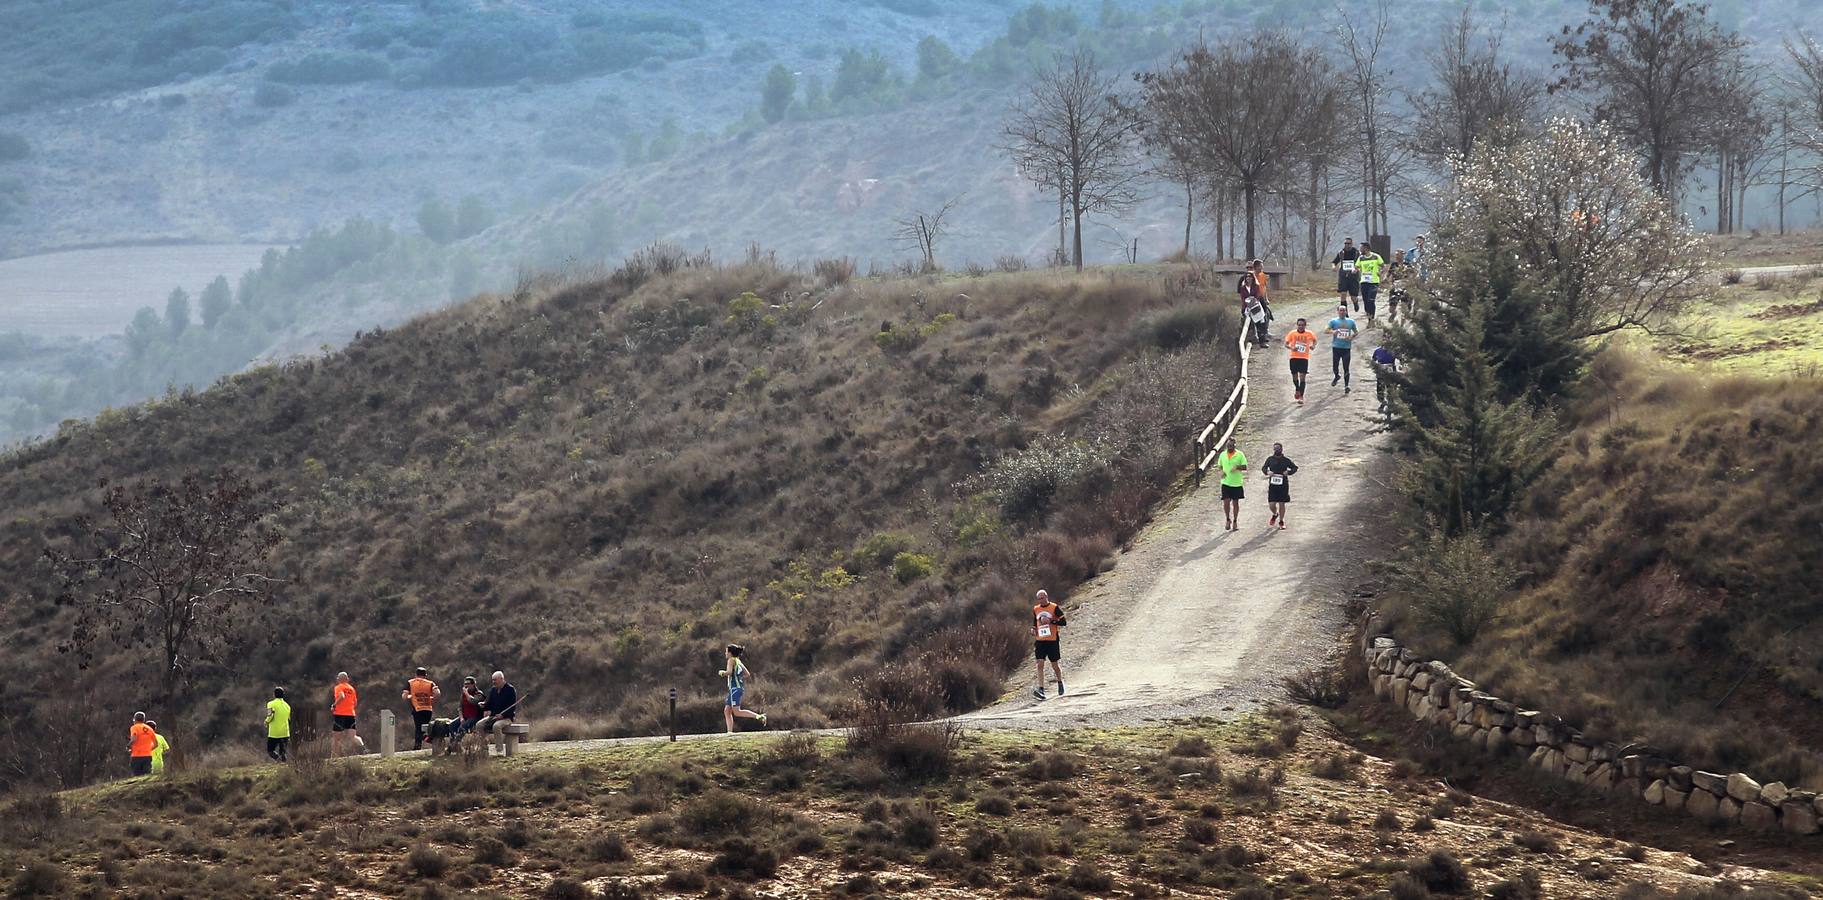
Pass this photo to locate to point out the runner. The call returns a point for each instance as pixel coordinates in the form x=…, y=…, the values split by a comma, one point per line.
x=1234, y=468
x=1301, y=341
x=1260, y=283
x=341, y=712
x=1278, y=468
x=737, y=673
x=1348, y=280
x=278, y=725
x=159, y=749
x=141, y=739
x=423, y=694
x=1371, y=263
x=1341, y=340
x=1417, y=258
x=1253, y=308
x=1047, y=627
x=1385, y=363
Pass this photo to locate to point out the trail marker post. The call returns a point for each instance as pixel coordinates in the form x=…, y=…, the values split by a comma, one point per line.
x=674, y=715
x=388, y=739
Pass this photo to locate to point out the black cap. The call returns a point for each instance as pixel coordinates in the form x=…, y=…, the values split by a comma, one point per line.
x=423, y=671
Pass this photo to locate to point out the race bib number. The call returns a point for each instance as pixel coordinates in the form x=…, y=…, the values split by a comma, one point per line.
x=1277, y=479
x=1044, y=631
x=1348, y=266
x=1345, y=334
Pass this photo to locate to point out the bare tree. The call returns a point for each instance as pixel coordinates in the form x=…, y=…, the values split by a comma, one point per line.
x=921, y=230
x=173, y=568
x=1742, y=140
x=1363, y=39
x=1072, y=134
x=1475, y=96
x=1647, y=67
x=1803, y=116
x=1244, y=115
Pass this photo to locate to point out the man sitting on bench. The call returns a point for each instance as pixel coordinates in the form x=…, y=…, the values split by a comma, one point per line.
x=500, y=708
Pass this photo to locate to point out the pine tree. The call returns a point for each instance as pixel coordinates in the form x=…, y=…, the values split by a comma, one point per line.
x=177, y=311
x=217, y=299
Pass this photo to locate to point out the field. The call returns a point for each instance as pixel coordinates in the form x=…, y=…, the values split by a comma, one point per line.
x=90, y=293
x=1275, y=805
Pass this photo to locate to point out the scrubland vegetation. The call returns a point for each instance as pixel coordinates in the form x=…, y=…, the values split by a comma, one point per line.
x=1190, y=809
x=1599, y=534
x=595, y=484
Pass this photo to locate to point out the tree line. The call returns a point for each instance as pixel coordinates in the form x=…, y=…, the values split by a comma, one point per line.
x=1269, y=130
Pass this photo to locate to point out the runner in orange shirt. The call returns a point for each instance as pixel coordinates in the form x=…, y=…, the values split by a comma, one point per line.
x=141, y=741
x=1301, y=341
x=1047, y=624
x=342, y=710
x=423, y=694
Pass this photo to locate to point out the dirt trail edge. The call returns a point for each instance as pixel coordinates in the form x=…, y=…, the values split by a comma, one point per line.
x=1197, y=620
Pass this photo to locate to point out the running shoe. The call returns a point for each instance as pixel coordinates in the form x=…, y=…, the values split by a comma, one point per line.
x=1281, y=526
x=1347, y=389
x=1038, y=692
x=1060, y=688
x=762, y=720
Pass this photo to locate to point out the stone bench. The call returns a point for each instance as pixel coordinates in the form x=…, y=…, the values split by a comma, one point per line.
x=508, y=736
x=511, y=735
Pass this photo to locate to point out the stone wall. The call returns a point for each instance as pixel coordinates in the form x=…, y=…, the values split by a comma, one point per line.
x=1432, y=693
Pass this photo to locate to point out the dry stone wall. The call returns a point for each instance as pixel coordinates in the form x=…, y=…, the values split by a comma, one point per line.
x=1432, y=693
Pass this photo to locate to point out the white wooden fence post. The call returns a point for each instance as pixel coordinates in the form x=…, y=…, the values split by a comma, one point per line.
x=388, y=734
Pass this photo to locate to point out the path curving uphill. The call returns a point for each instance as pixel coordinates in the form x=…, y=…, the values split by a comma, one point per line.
x=1197, y=620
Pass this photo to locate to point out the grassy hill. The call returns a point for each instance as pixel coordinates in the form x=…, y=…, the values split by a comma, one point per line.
x=595, y=484
x=1668, y=568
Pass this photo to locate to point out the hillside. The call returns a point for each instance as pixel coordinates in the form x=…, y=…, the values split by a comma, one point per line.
x=594, y=485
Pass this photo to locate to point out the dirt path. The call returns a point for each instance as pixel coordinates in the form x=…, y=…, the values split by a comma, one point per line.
x=1197, y=620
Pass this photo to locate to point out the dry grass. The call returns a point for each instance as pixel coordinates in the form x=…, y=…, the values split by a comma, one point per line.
x=594, y=483
x=1669, y=576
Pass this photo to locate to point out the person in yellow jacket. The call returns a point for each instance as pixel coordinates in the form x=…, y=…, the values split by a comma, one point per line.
x=1371, y=266
x=160, y=747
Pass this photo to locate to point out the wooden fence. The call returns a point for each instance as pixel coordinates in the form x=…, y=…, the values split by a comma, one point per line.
x=1230, y=413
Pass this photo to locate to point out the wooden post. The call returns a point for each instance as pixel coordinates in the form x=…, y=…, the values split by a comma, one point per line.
x=389, y=737
x=674, y=715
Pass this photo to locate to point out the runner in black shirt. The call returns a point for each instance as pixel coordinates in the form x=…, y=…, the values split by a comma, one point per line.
x=1278, y=468
x=1348, y=275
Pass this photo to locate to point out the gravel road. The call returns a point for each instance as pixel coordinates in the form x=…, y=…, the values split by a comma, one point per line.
x=1197, y=620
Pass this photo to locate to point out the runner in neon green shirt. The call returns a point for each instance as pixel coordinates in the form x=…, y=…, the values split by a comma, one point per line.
x=278, y=725
x=1234, y=465
x=158, y=749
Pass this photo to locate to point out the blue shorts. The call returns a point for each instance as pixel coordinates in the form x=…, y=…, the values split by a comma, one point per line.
x=734, y=696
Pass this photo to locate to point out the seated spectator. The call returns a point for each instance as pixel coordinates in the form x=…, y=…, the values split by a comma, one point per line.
x=500, y=707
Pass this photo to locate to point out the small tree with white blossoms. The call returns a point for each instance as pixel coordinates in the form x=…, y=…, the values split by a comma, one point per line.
x=1572, y=210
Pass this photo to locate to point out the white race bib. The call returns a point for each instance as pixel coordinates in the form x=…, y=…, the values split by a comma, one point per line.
x=1044, y=631
x=1345, y=334
x=1276, y=479
x=1348, y=266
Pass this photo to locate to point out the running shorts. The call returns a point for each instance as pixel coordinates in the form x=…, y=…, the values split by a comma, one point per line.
x=1300, y=366
x=1348, y=284
x=1278, y=493
x=1042, y=650
x=734, y=696
x=344, y=723
x=1232, y=492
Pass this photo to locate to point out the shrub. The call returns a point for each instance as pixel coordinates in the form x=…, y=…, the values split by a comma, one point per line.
x=898, y=340
x=427, y=861
x=741, y=858
x=272, y=96
x=1333, y=766
x=491, y=851
x=1201, y=831
x=1179, y=327
x=909, y=567
x=567, y=889
x=1441, y=872
x=39, y=878
x=1536, y=842
x=607, y=847
x=1026, y=483
x=1387, y=820
x=1732, y=276
x=1455, y=584
x=685, y=880
x=834, y=272
x=718, y=812
x=1193, y=745
x=919, y=828
x=1320, y=686
x=994, y=804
